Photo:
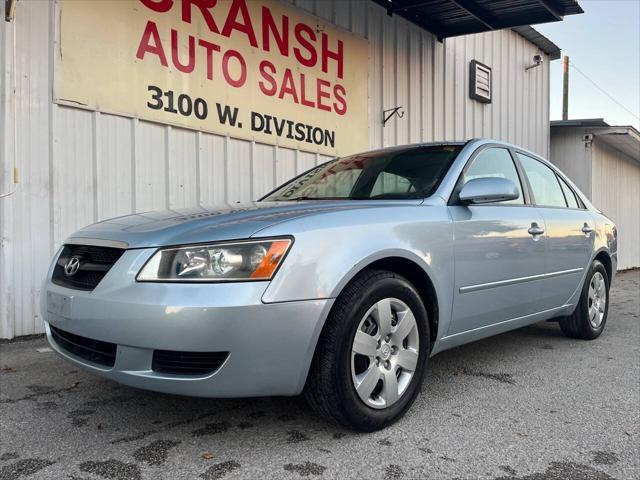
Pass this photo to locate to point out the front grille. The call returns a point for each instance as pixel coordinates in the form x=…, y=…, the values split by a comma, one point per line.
x=187, y=363
x=96, y=351
x=94, y=263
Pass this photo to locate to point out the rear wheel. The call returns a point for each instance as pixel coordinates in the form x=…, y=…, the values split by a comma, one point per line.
x=370, y=359
x=590, y=316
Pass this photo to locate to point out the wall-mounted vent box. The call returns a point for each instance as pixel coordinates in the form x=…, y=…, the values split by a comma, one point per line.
x=480, y=82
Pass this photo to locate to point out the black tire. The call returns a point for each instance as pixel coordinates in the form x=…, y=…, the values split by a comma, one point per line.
x=578, y=325
x=329, y=389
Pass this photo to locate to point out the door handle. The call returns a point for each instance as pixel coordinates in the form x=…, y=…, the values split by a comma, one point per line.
x=587, y=229
x=535, y=230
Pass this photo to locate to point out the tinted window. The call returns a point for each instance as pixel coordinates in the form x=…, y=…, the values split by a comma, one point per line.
x=543, y=181
x=568, y=194
x=386, y=174
x=391, y=183
x=494, y=162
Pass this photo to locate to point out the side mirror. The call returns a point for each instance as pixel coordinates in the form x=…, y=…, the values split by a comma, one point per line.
x=488, y=189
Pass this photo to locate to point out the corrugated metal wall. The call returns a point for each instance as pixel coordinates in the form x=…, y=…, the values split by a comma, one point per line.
x=569, y=154
x=616, y=191
x=78, y=167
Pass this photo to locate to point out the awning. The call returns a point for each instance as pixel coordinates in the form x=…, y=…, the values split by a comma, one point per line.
x=450, y=18
x=622, y=137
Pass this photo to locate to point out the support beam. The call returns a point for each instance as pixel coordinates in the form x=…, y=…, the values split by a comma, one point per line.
x=552, y=8
x=479, y=14
x=411, y=6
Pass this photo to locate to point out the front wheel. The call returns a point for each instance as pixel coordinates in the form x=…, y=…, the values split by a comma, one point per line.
x=590, y=316
x=371, y=356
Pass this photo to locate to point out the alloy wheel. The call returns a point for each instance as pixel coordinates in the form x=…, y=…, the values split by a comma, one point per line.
x=597, y=299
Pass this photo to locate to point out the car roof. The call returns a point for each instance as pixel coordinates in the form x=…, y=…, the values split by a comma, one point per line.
x=409, y=146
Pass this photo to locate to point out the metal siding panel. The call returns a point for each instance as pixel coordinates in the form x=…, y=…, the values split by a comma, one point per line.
x=238, y=170
x=476, y=109
x=25, y=215
x=73, y=175
x=114, y=152
x=264, y=170
x=505, y=116
x=484, y=47
x=402, y=80
x=182, y=168
x=304, y=161
x=414, y=102
x=426, y=85
x=7, y=284
x=526, y=93
x=359, y=17
x=439, y=78
x=450, y=113
x=211, y=158
x=150, y=166
x=308, y=5
x=468, y=106
x=520, y=91
x=285, y=164
x=460, y=102
x=389, y=78
x=342, y=13
x=616, y=191
x=496, y=57
x=324, y=9
x=569, y=154
x=547, y=106
x=376, y=95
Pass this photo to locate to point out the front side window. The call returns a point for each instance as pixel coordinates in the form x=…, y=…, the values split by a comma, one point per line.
x=494, y=162
x=544, y=183
x=391, y=174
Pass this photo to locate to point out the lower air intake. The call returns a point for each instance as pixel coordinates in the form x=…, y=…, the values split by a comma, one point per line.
x=187, y=363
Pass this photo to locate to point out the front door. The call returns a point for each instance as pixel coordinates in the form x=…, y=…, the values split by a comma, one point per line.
x=498, y=250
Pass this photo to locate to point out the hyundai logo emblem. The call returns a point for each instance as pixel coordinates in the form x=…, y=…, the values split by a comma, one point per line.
x=72, y=266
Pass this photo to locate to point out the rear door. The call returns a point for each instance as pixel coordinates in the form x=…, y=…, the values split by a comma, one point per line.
x=499, y=250
x=568, y=226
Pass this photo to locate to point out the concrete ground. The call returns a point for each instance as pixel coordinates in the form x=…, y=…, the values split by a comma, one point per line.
x=530, y=404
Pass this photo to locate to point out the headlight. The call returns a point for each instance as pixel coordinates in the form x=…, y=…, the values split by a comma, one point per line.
x=250, y=260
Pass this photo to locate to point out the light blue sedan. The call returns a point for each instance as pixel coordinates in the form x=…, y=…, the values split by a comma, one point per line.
x=340, y=284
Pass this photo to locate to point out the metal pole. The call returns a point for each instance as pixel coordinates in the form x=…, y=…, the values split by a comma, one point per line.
x=565, y=88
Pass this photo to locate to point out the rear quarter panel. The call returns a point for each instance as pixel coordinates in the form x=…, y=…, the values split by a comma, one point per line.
x=606, y=239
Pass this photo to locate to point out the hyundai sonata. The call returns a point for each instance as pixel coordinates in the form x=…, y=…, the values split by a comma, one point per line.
x=339, y=284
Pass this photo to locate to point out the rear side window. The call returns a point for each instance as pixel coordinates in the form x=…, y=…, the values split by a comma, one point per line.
x=569, y=195
x=494, y=162
x=544, y=183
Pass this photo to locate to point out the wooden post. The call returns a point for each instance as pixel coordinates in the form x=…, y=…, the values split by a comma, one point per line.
x=565, y=88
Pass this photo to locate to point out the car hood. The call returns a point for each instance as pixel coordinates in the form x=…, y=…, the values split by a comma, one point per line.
x=207, y=224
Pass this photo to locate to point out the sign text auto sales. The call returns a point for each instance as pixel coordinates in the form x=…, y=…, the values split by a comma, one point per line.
x=253, y=69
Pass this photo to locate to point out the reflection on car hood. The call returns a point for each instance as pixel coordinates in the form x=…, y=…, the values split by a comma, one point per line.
x=206, y=224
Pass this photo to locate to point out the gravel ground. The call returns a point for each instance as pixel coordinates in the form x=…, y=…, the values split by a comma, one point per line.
x=530, y=404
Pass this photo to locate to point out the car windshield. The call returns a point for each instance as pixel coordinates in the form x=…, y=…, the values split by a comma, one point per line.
x=391, y=174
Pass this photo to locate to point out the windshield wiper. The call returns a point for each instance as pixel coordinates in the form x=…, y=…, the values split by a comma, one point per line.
x=311, y=198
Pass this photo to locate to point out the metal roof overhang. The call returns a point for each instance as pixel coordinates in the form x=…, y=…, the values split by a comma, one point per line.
x=450, y=18
x=623, y=138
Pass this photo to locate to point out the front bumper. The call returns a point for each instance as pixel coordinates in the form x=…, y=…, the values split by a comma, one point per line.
x=270, y=345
